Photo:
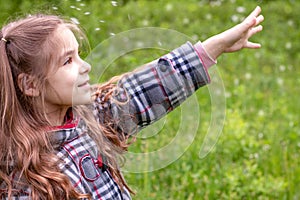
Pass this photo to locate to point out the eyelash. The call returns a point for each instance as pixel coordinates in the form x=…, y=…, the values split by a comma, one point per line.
x=69, y=61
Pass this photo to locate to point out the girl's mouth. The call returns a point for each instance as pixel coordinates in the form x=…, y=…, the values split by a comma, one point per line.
x=84, y=84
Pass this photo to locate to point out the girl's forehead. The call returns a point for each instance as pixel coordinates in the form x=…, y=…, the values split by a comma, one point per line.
x=66, y=38
x=63, y=43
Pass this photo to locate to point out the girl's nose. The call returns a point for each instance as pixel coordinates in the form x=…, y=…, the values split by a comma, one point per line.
x=85, y=68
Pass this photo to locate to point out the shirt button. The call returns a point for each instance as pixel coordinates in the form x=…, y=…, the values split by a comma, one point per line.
x=163, y=66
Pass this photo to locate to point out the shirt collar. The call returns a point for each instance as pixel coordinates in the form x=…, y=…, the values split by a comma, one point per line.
x=60, y=134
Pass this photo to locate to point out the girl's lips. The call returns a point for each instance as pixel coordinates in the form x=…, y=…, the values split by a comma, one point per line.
x=84, y=84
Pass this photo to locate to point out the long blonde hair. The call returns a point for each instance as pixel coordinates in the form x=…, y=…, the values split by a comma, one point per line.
x=24, y=143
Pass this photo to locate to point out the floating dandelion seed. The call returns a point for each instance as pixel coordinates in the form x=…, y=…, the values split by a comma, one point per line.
x=248, y=76
x=290, y=22
x=240, y=9
x=87, y=13
x=282, y=68
x=169, y=7
x=288, y=45
x=72, y=6
x=97, y=29
x=208, y=16
x=74, y=20
x=236, y=81
x=101, y=21
x=261, y=113
x=215, y=3
x=253, y=156
x=145, y=22
x=186, y=20
x=266, y=147
x=228, y=94
x=54, y=8
x=195, y=37
x=139, y=44
x=279, y=81
x=82, y=4
x=235, y=18
x=218, y=92
x=114, y=3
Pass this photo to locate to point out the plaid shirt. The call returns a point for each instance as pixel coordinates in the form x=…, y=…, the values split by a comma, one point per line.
x=150, y=93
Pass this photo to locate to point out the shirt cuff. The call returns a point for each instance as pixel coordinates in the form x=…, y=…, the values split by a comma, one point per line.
x=204, y=56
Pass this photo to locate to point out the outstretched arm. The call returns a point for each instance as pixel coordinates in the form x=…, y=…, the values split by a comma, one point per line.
x=237, y=37
x=147, y=94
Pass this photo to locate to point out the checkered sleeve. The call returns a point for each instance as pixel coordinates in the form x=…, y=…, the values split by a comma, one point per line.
x=151, y=92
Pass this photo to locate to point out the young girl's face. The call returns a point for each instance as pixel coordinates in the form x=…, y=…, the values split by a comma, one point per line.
x=69, y=85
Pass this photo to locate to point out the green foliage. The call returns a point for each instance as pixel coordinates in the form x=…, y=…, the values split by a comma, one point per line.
x=257, y=155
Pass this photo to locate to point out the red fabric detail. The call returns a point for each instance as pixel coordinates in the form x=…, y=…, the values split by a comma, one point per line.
x=99, y=161
x=69, y=122
x=66, y=126
x=82, y=170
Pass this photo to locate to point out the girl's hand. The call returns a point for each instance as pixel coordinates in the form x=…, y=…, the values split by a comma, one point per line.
x=237, y=37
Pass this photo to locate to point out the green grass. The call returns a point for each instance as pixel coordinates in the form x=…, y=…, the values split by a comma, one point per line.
x=257, y=154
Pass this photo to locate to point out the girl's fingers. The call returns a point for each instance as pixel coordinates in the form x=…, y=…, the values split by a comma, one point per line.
x=259, y=19
x=253, y=31
x=256, y=29
x=255, y=12
x=252, y=45
x=254, y=18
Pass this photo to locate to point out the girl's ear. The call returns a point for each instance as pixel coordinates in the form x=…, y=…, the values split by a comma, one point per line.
x=28, y=85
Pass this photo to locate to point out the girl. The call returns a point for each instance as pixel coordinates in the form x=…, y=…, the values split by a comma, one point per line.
x=60, y=137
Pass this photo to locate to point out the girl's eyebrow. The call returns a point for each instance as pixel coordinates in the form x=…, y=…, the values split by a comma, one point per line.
x=69, y=52
x=65, y=54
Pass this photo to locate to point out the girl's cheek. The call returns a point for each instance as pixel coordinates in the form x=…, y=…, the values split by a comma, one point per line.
x=72, y=78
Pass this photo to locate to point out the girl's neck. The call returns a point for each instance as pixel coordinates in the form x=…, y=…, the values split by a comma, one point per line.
x=57, y=117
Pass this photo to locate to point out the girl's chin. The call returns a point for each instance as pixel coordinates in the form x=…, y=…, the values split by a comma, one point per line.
x=82, y=99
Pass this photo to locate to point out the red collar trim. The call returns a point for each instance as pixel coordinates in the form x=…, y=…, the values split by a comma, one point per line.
x=70, y=122
x=66, y=126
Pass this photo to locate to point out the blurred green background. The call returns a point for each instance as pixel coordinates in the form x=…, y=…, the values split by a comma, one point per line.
x=257, y=154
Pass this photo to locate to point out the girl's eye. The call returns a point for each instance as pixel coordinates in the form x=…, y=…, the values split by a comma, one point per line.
x=69, y=61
